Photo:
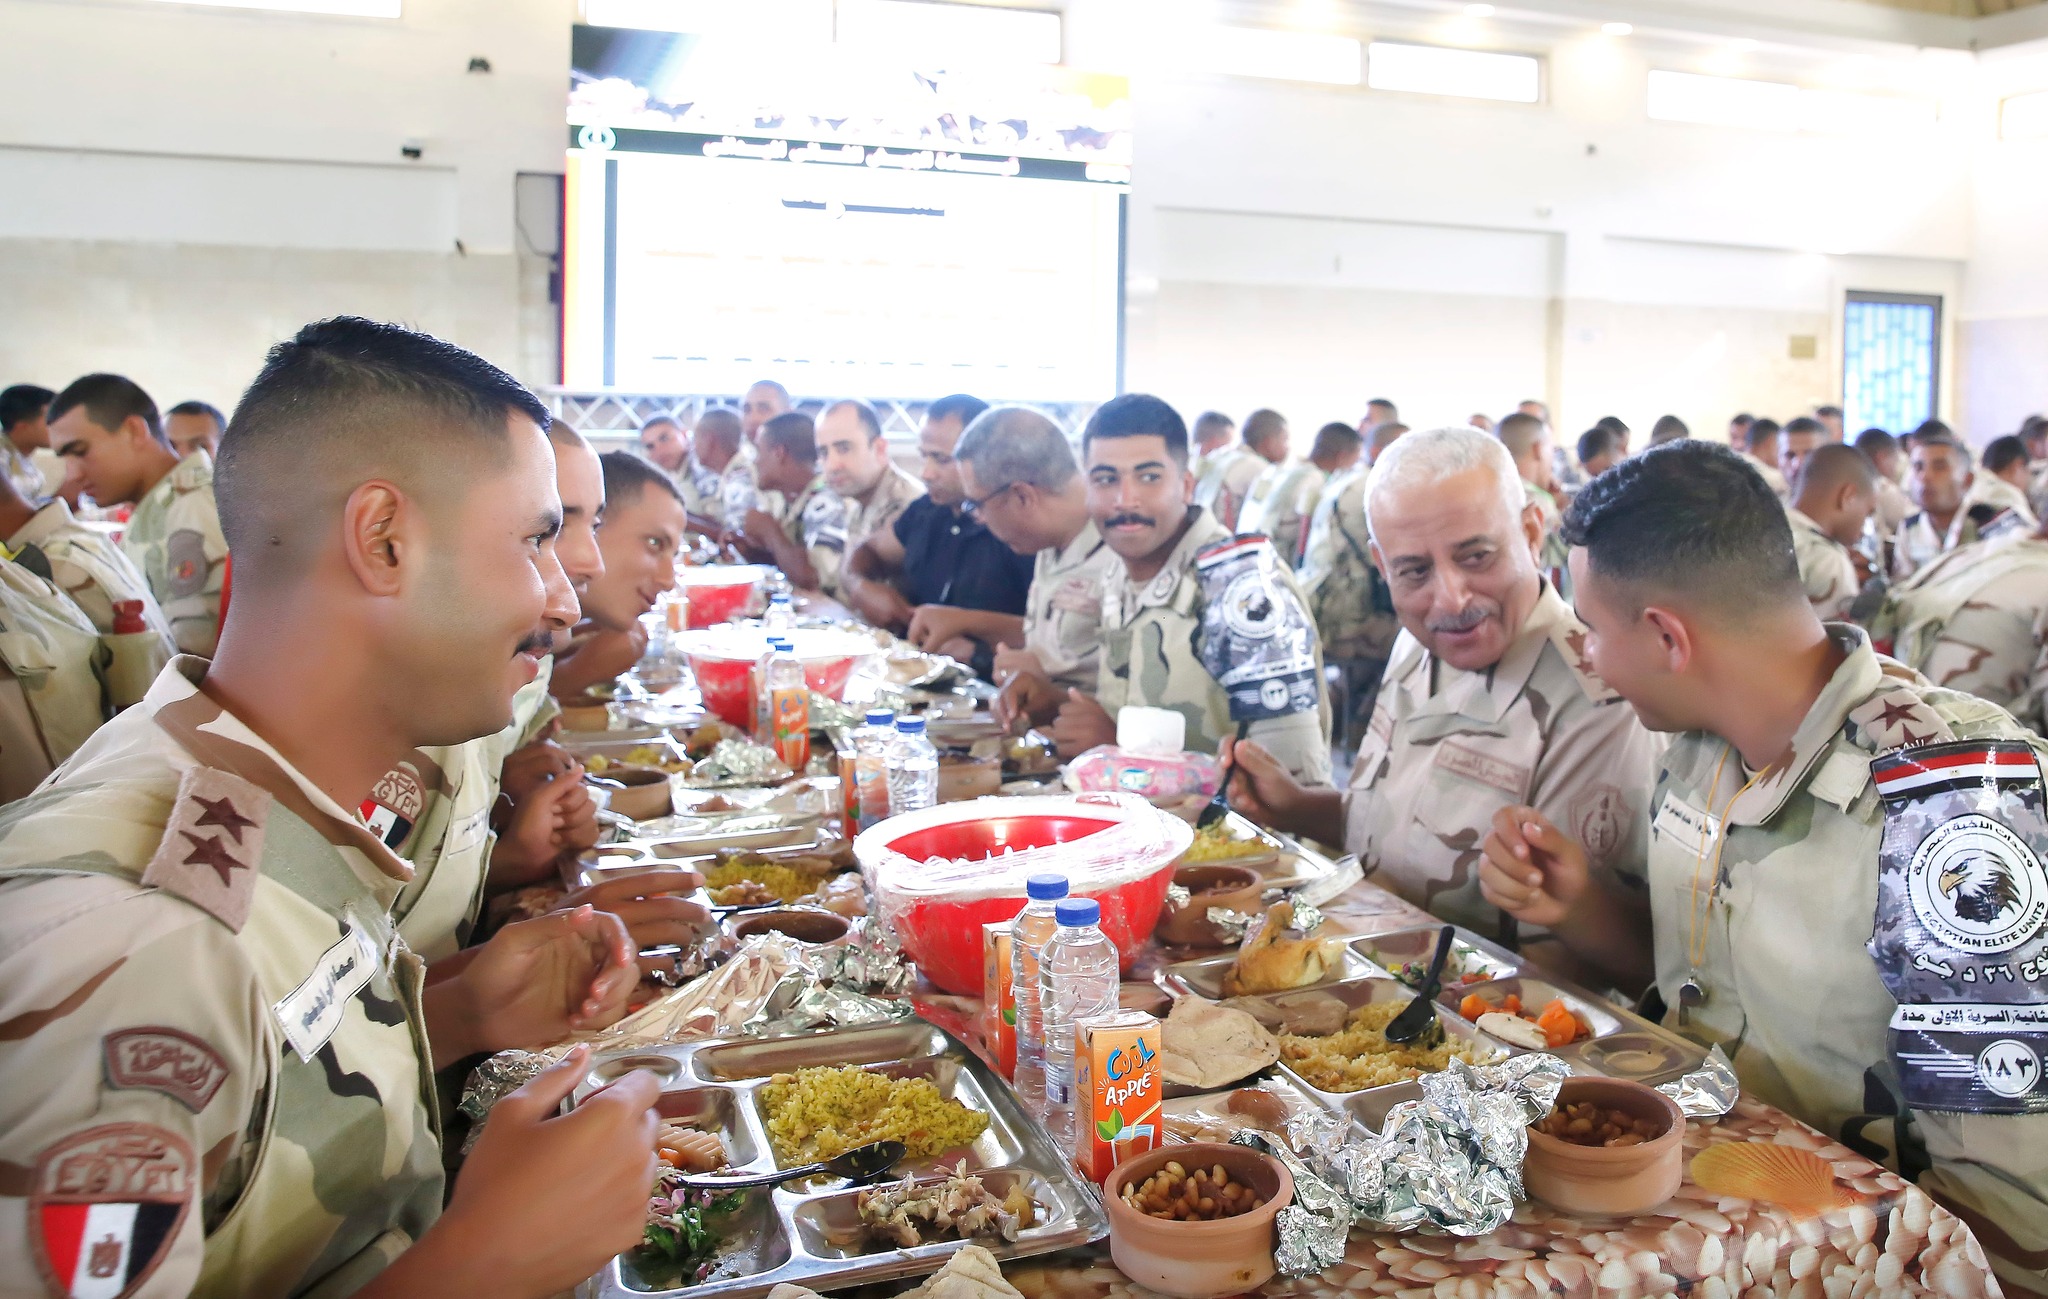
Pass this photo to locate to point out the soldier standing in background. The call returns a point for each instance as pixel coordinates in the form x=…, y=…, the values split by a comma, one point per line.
x=1832, y=498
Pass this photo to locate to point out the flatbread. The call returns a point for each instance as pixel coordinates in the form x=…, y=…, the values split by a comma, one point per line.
x=1207, y=1045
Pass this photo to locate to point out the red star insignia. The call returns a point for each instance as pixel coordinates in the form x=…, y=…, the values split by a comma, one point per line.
x=1896, y=712
x=212, y=852
x=221, y=812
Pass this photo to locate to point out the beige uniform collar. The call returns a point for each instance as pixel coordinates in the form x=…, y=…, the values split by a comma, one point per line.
x=217, y=738
x=45, y=523
x=1799, y=519
x=1860, y=675
x=1486, y=696
x=1203, y=529
x=1075, y=553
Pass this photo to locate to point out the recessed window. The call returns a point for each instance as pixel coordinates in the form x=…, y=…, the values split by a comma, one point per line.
x=1468, y=74
x=1891, y=360
x=1281, y=56
x=2024, y=117
x=346, y=8
x=1781, y=106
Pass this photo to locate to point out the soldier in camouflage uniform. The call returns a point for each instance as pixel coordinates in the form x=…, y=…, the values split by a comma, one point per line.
x=1975, y=620
x=215, y=1053
x=173, y=536
x=799, y=525
x=1844, y=864
x=871, y=487
x=1832, y=499
x=1228, y=484
x=53, y=694
x=1488, y=701
x=1288, y=502
x=25, y=432
x=1212, y=629
x=1348, y=598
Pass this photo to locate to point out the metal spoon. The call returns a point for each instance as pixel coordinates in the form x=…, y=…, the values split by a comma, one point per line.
x=861, y=1164
x=1219, y=806
x=1419, y=1016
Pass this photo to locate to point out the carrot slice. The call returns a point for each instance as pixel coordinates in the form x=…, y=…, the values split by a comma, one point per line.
x=1559, y=1025
x=1473, y=1006
x=1512, y=1004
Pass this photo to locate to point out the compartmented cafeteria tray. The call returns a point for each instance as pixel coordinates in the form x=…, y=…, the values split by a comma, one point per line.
x=796, y=1232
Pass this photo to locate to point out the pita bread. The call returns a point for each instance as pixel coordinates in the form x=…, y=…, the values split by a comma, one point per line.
x=1207, y=1045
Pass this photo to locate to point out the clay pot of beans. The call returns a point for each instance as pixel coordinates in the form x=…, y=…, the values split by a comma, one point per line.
x=1196, y=1220
x=1608, y=1146
x=1234, y=888
x=805, y=924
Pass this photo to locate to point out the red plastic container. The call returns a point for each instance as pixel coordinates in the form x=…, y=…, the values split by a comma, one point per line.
x=723, y=660
x=1115, y=848
x=718, y=593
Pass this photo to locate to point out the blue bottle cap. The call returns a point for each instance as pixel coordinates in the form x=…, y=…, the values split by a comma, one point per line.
x=1045, y=888
x=910, y=726
x=881, y=717
x=1075, y=912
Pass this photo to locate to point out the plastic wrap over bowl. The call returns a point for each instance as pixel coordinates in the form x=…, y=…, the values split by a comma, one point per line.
x=723, y=658
x=940, y=874
x=718, y=592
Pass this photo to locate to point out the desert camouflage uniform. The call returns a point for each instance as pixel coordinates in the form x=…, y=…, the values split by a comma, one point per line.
x=1825, y=569
x=53, y=667
x=88, y=566
x=1151, y=646
x=1991, y=490
x=814, y=518
x=1792, y=992
x=434, y=810
x=1772, y=478
x=1353, y=609
x=739, y=489
x=201, y=989
x=22, y=472
x=699, y=487
x=1446, y=749
x=1973, y=620
x=1223, y=494
x=174, y=538
x=1063, y=613
x=897, y=489
x=1892, y=507
x=1280, y=505
x=1916, y=543
x=1551, y=550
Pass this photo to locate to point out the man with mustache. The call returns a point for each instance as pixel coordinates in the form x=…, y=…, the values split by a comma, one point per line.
x=1211, y=628
x=1487, y=701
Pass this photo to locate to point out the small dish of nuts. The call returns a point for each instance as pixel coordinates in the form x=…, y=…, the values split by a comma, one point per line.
x=1195, y=1220
x=1201, y=1196
x=1584, y=1123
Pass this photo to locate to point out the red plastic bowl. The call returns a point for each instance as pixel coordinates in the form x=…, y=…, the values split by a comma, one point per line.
x=717, y=593
x=723, y=663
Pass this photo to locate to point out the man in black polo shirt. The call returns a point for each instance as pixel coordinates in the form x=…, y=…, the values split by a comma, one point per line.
x=936, y=553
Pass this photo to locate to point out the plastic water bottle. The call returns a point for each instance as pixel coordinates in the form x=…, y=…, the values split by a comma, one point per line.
x=913, y=768
x=1033, y=929
x=1077, y=977
x=871, y=766
x=757, y=690
x=789, y=708
x=781, y=615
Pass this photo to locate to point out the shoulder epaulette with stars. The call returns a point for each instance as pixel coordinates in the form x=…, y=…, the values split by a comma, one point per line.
x=212, y=845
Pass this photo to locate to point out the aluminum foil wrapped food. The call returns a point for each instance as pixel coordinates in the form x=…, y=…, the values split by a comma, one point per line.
x=494, y=1080
x=859, y=980
x=1707, y=1092
x=738, y=762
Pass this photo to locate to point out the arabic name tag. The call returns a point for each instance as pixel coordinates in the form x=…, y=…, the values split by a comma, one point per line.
x=1687, y=828
x=1961, y=932
x=469, y=831
x=311, y=1012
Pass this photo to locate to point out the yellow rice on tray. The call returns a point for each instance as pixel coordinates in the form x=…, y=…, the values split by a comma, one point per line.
x=1360, y=1056
x=829, y=1110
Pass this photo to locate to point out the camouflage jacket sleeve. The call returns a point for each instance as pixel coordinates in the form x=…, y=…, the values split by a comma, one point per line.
x=195, y=557
x=1989, y=649
x=131, y=1069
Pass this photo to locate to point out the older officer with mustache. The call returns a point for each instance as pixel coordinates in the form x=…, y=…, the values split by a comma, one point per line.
x=1488, y=702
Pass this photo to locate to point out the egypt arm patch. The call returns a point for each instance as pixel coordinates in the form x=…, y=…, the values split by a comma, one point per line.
x=106, y=1206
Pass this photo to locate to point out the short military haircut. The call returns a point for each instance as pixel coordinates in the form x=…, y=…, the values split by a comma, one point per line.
x=959, y=405
x=1381, y=403
x=1210, y=422
x=1933, y=428
x=109, y=399
x=20, y=402
x=1427, y=458
x=1138, y=415
x=723, y=424
x=1542, y=408
x=1828, y=412
x=1805, y=424
x=1927, y=441
x=627, y=474
x=1668, y=428
x=1597, y=442
x=1874, y=442
x=659, y=420
x=1262, y=425
x=1829, y=466
x=1613, y=422
x=1383, y=436
x=1691, y=520
x=2002, y=453
x=1742, y=421
x=771, y=386
x=794, y=435
x=1519, y=433
x=347, y=400
x=870, y=422
x=1759, y=432
x=562, y=435
x=1333, y=440
x=212, y=412
x=1007, y=445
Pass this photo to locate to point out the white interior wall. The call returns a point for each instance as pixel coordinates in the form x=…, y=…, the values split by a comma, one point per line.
x=223, y=175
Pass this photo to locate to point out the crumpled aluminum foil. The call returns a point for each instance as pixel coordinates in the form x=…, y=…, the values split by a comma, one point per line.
x=1450, y=1162
x=1177, y=895
x=1304, y=919
x=494, y=1080
x=1707, y=1092
x=846, y=984
x=738, y=762
x=828, y=714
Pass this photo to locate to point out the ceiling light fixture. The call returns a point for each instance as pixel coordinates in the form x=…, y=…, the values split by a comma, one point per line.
x=1617, y=29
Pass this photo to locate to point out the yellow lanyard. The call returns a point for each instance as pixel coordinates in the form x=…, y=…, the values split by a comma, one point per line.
x=1701, y=922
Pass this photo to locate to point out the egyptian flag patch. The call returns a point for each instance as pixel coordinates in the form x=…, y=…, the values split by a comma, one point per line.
x=394, y=805
x=384, y=822
x=107, y=1204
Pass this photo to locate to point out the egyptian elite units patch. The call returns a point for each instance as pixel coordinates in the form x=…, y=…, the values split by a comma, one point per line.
x=1961, y=932
x=106, y=1206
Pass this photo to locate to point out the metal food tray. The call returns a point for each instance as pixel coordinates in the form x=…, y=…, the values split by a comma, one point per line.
x=1203, y=976
x=1297, y=867
x=716, y=1085
x=1623, y=1044
x=1388, y=951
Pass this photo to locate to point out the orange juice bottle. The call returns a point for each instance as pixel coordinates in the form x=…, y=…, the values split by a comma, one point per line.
x=1117, y=1089
x=998, y=997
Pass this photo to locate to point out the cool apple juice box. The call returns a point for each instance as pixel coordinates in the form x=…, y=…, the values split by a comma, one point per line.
x=1118, y=1090
x=998, y=997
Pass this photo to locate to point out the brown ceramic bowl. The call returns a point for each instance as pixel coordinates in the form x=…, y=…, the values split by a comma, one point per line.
x=1198, y=1260
x=645, y=794
x=805, y=924
x=1610, y=1180
x=1235, y=888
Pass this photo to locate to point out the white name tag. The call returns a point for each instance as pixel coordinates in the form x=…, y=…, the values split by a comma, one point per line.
x=312, y=1011
x=469, y=831
x=1685, y=826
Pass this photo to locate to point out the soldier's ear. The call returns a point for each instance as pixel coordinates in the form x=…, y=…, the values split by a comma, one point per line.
x=370, y=528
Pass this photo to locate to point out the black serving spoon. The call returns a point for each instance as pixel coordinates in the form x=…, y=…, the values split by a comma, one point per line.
x=860, y=1164
x=1219, y=806
x=1419, y=1016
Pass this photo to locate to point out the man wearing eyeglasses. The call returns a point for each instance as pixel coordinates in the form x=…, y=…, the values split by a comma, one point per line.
x=938, y=554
